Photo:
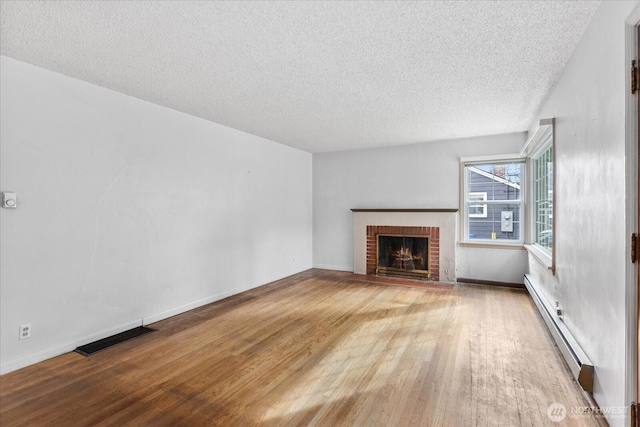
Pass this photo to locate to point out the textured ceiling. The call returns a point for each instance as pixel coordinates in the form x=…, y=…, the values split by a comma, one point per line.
x=320, y=76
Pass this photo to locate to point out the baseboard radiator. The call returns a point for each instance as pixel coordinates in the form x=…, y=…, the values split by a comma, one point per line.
x=578, y=362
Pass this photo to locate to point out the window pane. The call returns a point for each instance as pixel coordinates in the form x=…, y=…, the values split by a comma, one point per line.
x=477, y=209
x=483, y=228
x=543, y=199
x=494, y=182
x=498, y=181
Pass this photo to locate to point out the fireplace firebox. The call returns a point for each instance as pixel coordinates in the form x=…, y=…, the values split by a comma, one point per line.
x=403, y=255
x=406, y=251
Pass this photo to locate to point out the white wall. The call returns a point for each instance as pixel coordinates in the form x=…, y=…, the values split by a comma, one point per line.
x=588, y=103
x=500, y=265
x=129, y=211
x=413, y=176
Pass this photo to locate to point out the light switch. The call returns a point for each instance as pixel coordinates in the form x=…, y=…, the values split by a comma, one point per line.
x=506, y=221
x=9, y=200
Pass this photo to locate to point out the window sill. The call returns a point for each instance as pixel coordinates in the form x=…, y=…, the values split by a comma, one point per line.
x=542, y=257
x=491, y=245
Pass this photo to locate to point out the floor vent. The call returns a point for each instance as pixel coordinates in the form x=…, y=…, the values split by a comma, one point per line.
x=96, y=346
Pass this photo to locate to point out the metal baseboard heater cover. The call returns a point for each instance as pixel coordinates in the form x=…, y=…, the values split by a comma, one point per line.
x=576, y=359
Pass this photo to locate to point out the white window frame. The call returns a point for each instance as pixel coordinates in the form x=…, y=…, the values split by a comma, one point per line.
x=540, y=142
x=465, y=202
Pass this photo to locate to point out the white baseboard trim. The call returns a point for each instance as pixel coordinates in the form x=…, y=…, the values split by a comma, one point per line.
x=32, y=359
x=5, y=368
x=14, y=365
x=107, y=333
x=147, y=320
x=333, y=267
x=192, y=305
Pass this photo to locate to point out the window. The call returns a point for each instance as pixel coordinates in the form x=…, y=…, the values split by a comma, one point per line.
x=493, y=200
x=540, y=154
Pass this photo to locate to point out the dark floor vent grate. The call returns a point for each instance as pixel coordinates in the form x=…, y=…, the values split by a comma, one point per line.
x=94, y=347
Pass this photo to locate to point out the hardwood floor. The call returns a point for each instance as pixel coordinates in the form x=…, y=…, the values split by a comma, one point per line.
x=318, y=348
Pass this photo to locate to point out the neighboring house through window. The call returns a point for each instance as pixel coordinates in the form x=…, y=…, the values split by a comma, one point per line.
x=493, y=200
x=477, y=210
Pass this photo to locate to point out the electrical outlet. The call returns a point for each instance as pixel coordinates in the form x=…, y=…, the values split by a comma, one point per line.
x=558, y=309
x=9, y=200
x=25, y=331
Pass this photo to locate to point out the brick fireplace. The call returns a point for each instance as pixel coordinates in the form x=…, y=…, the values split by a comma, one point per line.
x=432, y=234
x=438, y=225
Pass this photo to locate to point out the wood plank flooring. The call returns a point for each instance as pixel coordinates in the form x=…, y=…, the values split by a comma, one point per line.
x=320, y=348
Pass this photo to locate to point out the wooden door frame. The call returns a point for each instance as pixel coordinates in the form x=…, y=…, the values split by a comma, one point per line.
x=632, y=314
